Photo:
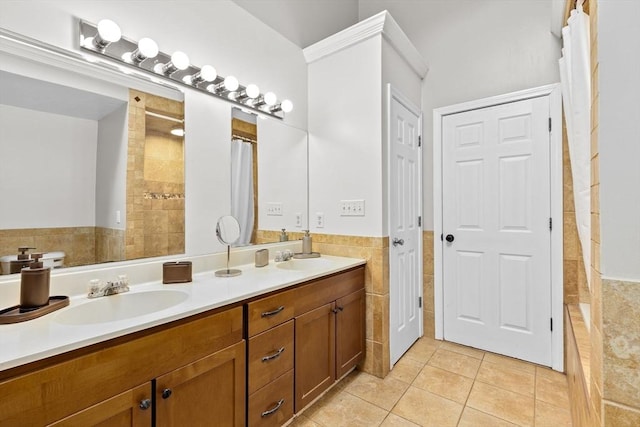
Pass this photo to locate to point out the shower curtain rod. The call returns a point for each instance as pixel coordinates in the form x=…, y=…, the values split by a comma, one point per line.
x=244, y=138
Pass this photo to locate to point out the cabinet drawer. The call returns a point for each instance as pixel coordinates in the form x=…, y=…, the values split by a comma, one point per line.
x=270, y=311
x=272, y=405
x=270, y=355
x=325, y=290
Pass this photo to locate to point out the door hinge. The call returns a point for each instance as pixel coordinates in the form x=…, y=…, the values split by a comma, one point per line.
x=419, y=221
x=550, y=224
x=420, y=141
x=551, y=323
x=549, y=124
x=419, y=302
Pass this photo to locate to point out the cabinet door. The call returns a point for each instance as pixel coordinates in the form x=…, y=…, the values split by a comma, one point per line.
x=131, y=408
x=315, y=354
x=209, y=391
x=350, y=332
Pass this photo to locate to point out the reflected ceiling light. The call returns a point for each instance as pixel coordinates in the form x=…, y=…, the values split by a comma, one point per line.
x=206, y=74
x=147, y=48
x=179, y=61
x=229, y=84
x=250, y=92
x=177, y=131
x=108, y=32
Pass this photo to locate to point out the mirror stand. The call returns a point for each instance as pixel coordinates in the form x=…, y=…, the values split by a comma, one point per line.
x=228, y=272
x=228, y=232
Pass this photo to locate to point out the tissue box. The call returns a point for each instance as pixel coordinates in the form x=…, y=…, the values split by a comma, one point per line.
x=176, y=272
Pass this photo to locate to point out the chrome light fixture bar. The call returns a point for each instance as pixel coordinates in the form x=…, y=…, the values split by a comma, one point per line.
x=105, y=39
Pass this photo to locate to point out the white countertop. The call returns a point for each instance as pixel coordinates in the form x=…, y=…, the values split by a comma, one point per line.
x=33, y=340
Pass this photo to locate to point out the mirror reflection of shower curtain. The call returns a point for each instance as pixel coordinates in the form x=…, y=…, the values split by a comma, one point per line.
x=242, y=188
x=575, y=77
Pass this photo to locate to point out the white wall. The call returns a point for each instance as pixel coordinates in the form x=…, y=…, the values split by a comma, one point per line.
x=345, y=156
x=207, y=154
x=219, y=33
x=619, y=137
x=111, y=169
x=474, y=49
x=282, y=179
x=38, y=195
x=402, y=77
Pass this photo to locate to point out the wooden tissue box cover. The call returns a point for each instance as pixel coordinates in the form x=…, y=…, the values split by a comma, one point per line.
x=176, y=272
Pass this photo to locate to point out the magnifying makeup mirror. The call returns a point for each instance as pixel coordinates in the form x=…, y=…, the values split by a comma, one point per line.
x=228, y=232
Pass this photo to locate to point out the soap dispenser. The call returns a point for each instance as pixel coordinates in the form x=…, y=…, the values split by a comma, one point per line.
x=34, y=284
x=284, y=237
x=306, y=242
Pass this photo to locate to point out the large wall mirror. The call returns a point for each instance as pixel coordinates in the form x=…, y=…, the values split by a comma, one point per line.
x=268, y=177
x=98, y=170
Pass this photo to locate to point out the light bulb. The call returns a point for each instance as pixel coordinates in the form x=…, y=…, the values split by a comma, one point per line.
x=180, y=60
x=147, y=48
x=109, y=31
x=208, y=73
x=286, y=106
x=231, y=83
x=270, y=98
x=252, y=91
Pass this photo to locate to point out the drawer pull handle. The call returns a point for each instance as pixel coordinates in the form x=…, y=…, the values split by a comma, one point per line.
x=274, y=312
x=274, y=409
x=273, y=356
x=145, y=404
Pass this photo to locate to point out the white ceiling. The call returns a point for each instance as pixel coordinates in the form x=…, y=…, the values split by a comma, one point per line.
x=304, y=22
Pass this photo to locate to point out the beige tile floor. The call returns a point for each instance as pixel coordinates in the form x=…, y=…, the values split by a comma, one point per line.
x=443, y=384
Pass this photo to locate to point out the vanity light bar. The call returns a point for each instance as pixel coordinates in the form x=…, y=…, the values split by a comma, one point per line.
x=144, y=55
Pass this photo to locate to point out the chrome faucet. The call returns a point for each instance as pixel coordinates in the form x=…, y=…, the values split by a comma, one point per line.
x=110, y=288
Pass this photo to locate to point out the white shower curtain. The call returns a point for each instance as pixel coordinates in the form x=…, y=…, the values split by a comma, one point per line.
x=242, y=188
x=575, y=77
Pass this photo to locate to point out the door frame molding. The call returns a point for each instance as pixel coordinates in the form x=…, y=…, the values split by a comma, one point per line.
x=393, y=93
x=557, y=289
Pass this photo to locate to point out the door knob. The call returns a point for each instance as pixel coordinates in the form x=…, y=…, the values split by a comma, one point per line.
x=166, y=393
x=449, y=238
x=397, y=242
x=145, y=404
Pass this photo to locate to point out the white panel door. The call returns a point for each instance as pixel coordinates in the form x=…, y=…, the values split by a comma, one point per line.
x=497, y=242
x=405, y=232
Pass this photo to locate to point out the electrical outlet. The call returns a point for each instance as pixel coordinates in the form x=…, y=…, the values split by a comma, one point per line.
x=298, y=219
x=274, y=209
x=351, y=207
x=319, y=220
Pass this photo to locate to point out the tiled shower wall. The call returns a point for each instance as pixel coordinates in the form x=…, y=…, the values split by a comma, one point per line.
x=155, y=182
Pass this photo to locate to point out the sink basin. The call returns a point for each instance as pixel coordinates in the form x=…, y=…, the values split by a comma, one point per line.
x=304, y=264
x=120, y=307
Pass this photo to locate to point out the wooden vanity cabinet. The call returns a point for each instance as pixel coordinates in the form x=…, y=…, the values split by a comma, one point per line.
x=270, y=358
x=209, y=391
x=201, y=359
x=330, y=328
x=131, y=408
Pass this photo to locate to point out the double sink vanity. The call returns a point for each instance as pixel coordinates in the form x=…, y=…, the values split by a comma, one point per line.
x=248, y=350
